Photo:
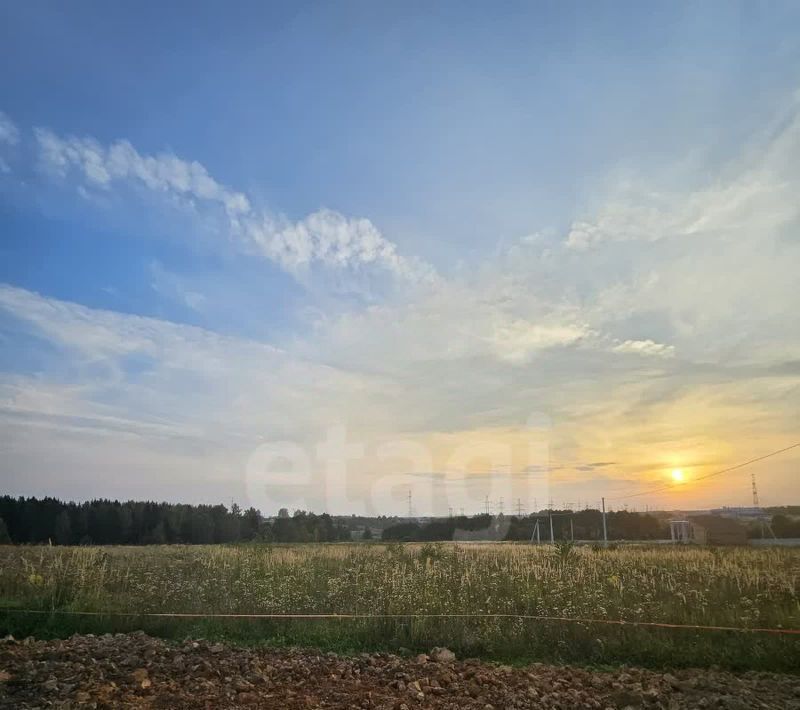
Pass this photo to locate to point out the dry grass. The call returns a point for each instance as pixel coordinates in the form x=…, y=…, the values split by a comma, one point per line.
x=732, y=587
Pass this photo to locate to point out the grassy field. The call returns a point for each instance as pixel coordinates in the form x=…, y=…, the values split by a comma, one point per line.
x=738, y=587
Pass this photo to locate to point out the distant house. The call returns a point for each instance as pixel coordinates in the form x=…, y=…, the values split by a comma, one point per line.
x=709, y=530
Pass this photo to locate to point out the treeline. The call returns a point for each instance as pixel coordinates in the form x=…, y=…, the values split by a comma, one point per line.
x=586, y=525
x=107, y=522
x=436, y=530
x=111, y=522
x=783, y=526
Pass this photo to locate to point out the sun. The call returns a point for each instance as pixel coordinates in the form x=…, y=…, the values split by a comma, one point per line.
x=677, y=475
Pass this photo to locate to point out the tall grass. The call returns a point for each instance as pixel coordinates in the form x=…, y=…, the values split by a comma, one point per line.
x=738, y=587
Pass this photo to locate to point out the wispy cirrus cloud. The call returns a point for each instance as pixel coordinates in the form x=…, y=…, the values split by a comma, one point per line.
x=755, y=190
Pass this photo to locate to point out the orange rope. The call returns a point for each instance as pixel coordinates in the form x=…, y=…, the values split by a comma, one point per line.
x=563, y=619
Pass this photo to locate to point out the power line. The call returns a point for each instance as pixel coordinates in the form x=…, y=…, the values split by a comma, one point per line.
x=711, y=475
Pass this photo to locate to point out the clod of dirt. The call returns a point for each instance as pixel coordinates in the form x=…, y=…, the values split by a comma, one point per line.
x=442, y=655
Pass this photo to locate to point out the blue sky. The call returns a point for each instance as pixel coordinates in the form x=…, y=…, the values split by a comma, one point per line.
x=228, y=225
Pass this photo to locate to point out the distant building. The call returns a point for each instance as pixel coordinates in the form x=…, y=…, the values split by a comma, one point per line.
x=680, y=531
x=708, y=530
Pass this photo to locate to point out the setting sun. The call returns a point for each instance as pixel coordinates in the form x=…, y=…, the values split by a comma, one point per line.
x=677, y=475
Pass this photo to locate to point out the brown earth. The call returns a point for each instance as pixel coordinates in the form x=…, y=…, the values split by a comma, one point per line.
x=137, y=671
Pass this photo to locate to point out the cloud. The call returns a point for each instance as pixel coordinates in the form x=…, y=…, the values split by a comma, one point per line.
x=583, y=331
x=755, y=190
x=517, y=340
x=120, y=161
x=176, y=398
x=172, y=287
x=148, y=368
x=9, y=133
x=326, y=237
x=645, y=347
x=333, y=240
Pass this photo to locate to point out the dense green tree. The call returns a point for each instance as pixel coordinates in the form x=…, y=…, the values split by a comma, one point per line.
x=63, y=529
x=785, y=526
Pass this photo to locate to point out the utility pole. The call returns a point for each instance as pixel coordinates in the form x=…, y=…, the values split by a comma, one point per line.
x=552, y=539
x=519, y=507
x=535, y=532
x=605, y=529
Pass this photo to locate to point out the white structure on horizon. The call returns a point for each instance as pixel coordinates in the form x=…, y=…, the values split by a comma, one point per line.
x=680, y=531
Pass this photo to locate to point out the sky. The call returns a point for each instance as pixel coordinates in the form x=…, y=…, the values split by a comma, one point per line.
x=324, y=255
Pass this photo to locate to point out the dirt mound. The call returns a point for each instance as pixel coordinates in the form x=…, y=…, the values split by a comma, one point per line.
x=135, y=670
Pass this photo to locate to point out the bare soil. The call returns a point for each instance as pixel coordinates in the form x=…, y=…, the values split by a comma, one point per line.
x=137, y=671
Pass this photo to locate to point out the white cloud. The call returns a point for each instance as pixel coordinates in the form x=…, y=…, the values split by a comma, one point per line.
x=333, y=240
x=645, y=347
x=175, y=398
x=708, y=273
x=756, y=190
x=170, y=372
x=165, y=172
x=517, y=340
x=172, y=286
x=325, y=237
x=9, y=133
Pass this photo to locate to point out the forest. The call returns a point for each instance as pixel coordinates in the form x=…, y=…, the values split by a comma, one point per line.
x=107, y=522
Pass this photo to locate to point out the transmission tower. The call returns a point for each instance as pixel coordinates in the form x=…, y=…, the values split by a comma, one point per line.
x=410, y=509
x=755, y=490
